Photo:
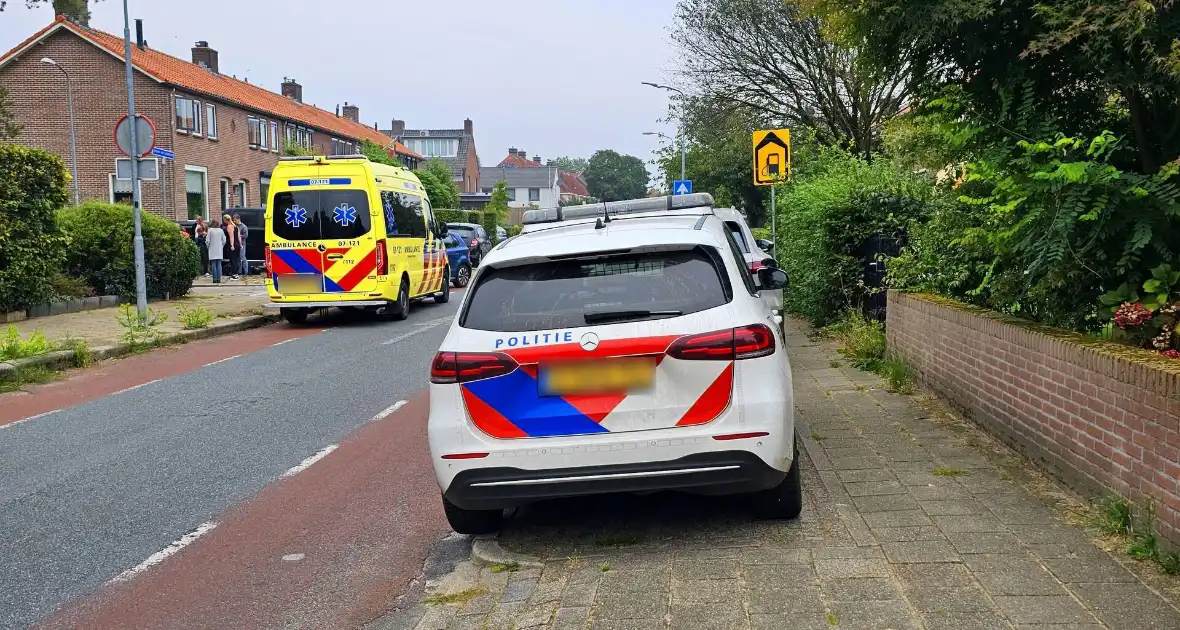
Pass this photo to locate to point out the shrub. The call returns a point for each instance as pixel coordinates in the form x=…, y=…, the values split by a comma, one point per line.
x=32, y=189
x=196, y=318
x=101, y=251
x=761, y=234
x=458, y=216
x=14, y=347
x=825, y=221
x=513, y=230
x=66, y=287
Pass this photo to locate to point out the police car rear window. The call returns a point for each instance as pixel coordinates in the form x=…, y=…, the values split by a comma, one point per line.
x=321, y=215
x=565, y=293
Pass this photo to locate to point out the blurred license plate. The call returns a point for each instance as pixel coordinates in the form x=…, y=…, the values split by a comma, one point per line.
x=296, y=283
x=597, y=377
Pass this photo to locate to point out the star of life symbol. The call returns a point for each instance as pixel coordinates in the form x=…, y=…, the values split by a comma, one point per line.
x=344, y=215
x=295, y=216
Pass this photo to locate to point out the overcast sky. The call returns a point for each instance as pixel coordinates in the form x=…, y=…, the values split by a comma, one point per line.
x=552, y=77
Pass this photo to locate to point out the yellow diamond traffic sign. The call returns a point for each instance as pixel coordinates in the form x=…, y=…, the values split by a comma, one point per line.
x=772, y=156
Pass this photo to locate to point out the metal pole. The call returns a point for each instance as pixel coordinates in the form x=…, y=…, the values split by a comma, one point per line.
x=73, y=133
x=163, y=186
x=140, y=276
x=683, y=154
x=773, y=217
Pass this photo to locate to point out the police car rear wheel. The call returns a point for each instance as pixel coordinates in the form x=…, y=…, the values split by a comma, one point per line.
x=401, y=309
x=785, y=500
x=295, y=315
x=472, y=522
x=444, y=294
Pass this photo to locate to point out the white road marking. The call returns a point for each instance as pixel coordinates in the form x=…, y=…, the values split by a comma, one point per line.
x=305, y=464
x=388, y=410
x=281, y=342
x=165, y=553
x=40, y=415
x=293, y=557
x=222, y=360
x=436, y=322
x=425, y=326
x=135, y=387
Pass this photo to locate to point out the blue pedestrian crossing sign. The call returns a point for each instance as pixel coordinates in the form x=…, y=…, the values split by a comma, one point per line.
x=682, y=187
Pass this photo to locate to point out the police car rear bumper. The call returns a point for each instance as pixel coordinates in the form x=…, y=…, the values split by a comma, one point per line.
x=327, y=304
x=721, y=472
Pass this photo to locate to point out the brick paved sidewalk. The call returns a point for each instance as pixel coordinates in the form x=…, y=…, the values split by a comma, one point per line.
x=882, y=542
x=233, y=299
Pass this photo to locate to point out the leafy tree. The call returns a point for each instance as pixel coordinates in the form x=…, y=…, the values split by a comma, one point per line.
x=611, y=176
x=9, y=128
x=76, y=10
x=445, y=193
x=294, y=149
x=377, y=153
x=775, y=60
x=496, y=212
x=572, y=164
x=32, y=246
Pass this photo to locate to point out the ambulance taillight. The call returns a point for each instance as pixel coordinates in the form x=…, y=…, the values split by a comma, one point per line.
x=382, y=259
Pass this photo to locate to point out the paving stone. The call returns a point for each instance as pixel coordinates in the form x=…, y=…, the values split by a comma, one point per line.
x=1080, y=571
x=1050, y=550
x=948, y=599
x=908, y=534
x=1103, y=596
x=851, y=568
x=705, y=591
x=1158, y=617
x=932, y=574
x=536, y=616
x=1026, y=581
x=547, y=592
x=857, y=463
x=847, y=553
x=857, y=476
x=719, y=616
x=873, y=615
x=972, y=523
x=1017, y=559
x=957, y=507
x=707, y=569
x=579, y=595
x=907, y=518
x=570, y=618
x=503, y=615
x=1042, y=609
x=885, y=503
x=965, y=621
x=874, y=488
x=650, y=605
x=939, y=492
x=481, y=605
x=633, y=581
x=920, y=552
x=624, y=624
x=983, y=542
x=794, y=621
x=775, y=555
x=779, y=574
x=860, y=589
x=763, y=599
x=518, y=591
x=1061, y=626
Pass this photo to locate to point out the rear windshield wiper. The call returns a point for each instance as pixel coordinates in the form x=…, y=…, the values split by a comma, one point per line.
x=598, y=317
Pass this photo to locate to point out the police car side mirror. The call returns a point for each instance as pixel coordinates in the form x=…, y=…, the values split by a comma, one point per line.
x=772, y=278
x=764, y=245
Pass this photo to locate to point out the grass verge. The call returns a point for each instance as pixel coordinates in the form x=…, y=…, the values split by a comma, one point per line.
x=1121, y=519
x=462, y=597
x=862, y=342
x=32, y=375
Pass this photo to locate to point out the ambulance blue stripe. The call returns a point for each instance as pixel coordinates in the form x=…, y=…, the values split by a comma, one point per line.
x=515, y=396
x=294, y=260
x=330, y=286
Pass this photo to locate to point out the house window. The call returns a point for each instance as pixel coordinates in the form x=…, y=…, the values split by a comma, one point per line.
x=211, y=120
x=254, y=128
x=225, y=185
x=121, y=190
x=240, y=195
x=188, y=115
x=196, y=191
x=534, y=194
x=511, y=194
x=263, y=188
x=262, y=127
x=274, y=136
x=434, y=147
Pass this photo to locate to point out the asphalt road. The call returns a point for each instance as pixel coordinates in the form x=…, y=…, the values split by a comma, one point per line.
x=90, y=491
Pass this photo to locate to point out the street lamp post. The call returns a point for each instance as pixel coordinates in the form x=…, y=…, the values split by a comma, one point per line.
x=683, y=140
x=140, y=275
x=683, y=148
x=73, y=134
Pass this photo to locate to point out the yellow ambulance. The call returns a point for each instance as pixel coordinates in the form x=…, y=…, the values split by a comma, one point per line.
x=347, y=232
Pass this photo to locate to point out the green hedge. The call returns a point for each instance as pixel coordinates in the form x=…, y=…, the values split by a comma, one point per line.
x=33, y=185
x=825, y=221
x=101, y=251
x=458, y=216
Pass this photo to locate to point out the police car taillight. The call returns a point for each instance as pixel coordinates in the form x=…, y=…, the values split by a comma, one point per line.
x=747, y=342
x=382, y=259
x=461, y=367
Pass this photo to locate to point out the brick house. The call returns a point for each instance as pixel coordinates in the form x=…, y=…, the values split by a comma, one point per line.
x=456, y=147
x=571, y=186
x=226, y=133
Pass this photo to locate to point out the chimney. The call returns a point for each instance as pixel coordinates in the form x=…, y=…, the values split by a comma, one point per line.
x=522, y=154
x=292, y=90
x=205, y=56
x=139, y=43
x=338, y=110
x=468, y=127
x=537, y=159
x=398, y=129
x=511, y=151
x=352, y=112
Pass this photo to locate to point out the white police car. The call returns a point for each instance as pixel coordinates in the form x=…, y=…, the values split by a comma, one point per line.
x=614, y=348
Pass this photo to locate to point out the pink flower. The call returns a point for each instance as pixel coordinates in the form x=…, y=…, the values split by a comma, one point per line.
x=1132, y=315
x=1171, y=354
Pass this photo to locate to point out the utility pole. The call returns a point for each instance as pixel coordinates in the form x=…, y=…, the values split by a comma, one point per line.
x=140, y=275
x=683, y=154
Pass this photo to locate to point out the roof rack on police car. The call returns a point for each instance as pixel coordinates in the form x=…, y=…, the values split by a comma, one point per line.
x=616, y=208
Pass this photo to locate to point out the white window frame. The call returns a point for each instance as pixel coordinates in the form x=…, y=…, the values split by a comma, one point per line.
x=194, y=113
x=111, y=188
x=210, y=121
x=263, y=127
x=195, y=169
x=242, y=192
x=253, y=125
x=531, y=194
x=274, y=136
x=224, y=189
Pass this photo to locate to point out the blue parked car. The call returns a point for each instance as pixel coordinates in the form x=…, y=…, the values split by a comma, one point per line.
x=459, y=255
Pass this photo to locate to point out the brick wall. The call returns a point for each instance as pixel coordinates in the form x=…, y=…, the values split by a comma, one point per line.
x=1099, y=421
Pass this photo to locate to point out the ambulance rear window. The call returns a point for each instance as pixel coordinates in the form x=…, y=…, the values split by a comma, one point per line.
x=562, y=293
x=304, y=215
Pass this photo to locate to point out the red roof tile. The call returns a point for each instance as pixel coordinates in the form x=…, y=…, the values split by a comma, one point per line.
x=514, y=160
x=183, y=74
x=572, y=184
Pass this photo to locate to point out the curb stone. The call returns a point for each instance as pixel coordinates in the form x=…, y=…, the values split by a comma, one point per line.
x=61, y=359
x=486, y=551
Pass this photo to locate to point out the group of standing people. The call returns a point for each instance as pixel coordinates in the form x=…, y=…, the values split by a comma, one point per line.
x=223, y=247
